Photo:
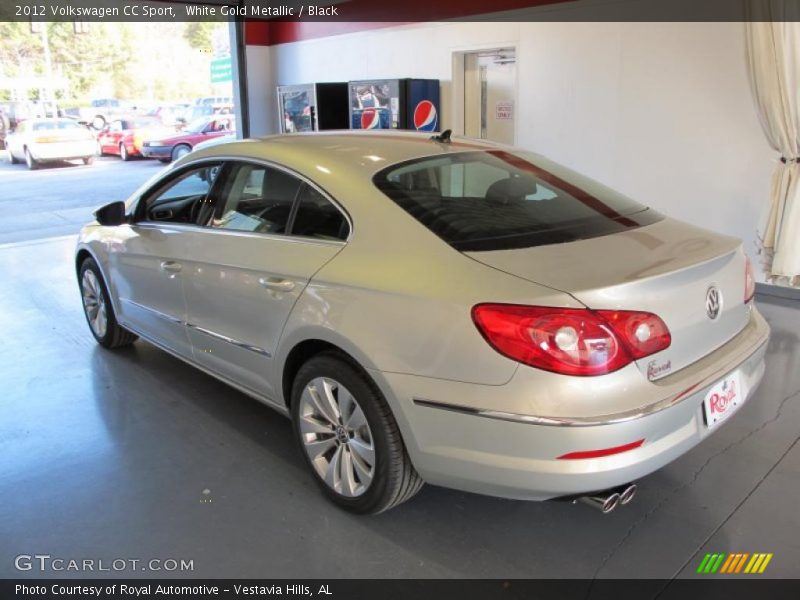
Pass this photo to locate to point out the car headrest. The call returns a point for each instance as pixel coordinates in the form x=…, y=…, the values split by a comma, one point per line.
x=513, y=189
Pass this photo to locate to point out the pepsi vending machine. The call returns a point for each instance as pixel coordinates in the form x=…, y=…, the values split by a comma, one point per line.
x=312, y=107
x=395, y=104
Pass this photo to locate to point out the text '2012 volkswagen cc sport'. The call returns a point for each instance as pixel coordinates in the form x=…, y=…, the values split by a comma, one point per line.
x=426, y=310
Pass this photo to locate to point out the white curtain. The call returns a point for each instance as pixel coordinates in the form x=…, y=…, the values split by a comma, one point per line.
x=773, y=60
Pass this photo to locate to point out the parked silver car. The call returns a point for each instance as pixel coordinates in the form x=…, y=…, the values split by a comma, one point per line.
x=455, y=312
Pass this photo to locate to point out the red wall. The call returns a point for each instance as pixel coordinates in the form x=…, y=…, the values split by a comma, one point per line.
x=362, y=15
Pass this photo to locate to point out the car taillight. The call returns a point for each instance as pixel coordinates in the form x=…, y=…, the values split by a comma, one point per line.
x=571, y=341
x=749, y=281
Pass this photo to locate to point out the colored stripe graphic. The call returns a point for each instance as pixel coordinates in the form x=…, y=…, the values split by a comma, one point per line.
x=703, y=563
x=720, y=562
x=755, y=562
x=765, y=563
x=728, y=563
x=741, y=562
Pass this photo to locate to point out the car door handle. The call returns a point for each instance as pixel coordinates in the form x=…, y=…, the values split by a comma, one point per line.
x=277, y=284
x=170, y=266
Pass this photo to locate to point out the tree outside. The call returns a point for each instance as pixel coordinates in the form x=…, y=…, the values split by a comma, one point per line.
x=146, y=62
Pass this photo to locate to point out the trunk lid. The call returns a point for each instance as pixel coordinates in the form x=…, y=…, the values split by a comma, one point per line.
x=666, y=268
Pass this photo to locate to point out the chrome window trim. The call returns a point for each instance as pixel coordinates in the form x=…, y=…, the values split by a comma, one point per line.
x=273, y=165
x=190, y=227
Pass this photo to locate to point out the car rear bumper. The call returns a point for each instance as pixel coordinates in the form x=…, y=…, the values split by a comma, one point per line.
x=63, y=150
x=516, y=455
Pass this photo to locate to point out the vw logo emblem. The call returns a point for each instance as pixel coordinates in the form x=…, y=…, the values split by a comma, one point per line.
x=713, y=302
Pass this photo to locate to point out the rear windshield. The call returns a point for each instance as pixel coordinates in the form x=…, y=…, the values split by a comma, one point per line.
x=50, y=125
x=496, y=200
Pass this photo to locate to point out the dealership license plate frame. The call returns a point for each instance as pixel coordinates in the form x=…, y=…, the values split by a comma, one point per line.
x=735, y=378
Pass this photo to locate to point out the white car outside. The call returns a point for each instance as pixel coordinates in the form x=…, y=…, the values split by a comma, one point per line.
x=38, y=141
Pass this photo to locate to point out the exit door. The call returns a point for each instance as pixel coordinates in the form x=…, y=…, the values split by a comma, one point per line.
x=490, y=83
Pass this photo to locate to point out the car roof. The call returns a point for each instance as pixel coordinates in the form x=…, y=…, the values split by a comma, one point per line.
x=367, y=151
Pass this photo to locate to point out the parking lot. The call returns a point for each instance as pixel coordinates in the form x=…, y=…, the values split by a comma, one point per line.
x=56, y=200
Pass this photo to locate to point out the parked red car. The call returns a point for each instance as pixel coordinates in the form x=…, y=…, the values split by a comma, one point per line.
x=171, y=148
x=125, y=136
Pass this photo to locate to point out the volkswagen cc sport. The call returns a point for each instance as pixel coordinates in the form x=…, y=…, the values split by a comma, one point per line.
x=433, y=310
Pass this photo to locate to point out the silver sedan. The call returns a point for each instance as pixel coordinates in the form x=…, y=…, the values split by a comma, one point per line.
x=434, y=310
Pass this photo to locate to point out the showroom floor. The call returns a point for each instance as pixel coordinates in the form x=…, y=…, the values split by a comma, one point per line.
x=133, y=454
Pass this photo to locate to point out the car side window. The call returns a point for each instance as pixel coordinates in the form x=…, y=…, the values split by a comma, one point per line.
x=182, y=199
x=317, y=217
x=257, y=199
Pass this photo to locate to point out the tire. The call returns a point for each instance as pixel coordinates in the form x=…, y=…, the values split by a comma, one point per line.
x=123, y=153
x=180, y=150
x=30, y=161
x=11, y=158
x=88, y=160
x=391, y=478
x=95, y=295
x=163, y=160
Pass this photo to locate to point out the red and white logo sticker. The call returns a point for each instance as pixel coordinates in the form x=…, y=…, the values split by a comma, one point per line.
x=721, y=400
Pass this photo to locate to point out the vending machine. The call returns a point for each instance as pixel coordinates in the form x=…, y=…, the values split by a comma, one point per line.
x=313, y=107
x=395, y=104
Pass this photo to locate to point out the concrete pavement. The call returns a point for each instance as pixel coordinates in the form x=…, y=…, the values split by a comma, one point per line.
x=58, y=199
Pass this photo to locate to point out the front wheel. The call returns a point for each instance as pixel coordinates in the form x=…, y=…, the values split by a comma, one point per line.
x=11, y=158
x=349, y=437
x=88, y=160
x=180, y=151
x=123, y=153
x=98, y=309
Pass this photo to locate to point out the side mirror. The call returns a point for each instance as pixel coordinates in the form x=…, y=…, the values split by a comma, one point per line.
x=111, y=214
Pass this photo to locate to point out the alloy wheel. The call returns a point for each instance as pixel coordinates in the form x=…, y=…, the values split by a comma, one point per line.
x=94, y=303
x=336, y=437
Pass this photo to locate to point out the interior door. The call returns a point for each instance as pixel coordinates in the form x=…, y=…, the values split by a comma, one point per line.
x=150, y=260
x=247, y=270
x=490, y=81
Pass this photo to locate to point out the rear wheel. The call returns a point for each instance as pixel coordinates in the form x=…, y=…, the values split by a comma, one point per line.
x=180, y=151
x=349, y=437
x=123, y=153
x=30, y=161
x=98, y=309
x=88, y=160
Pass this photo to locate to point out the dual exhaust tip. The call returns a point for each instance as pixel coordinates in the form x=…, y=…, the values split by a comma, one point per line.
x=608, y=500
